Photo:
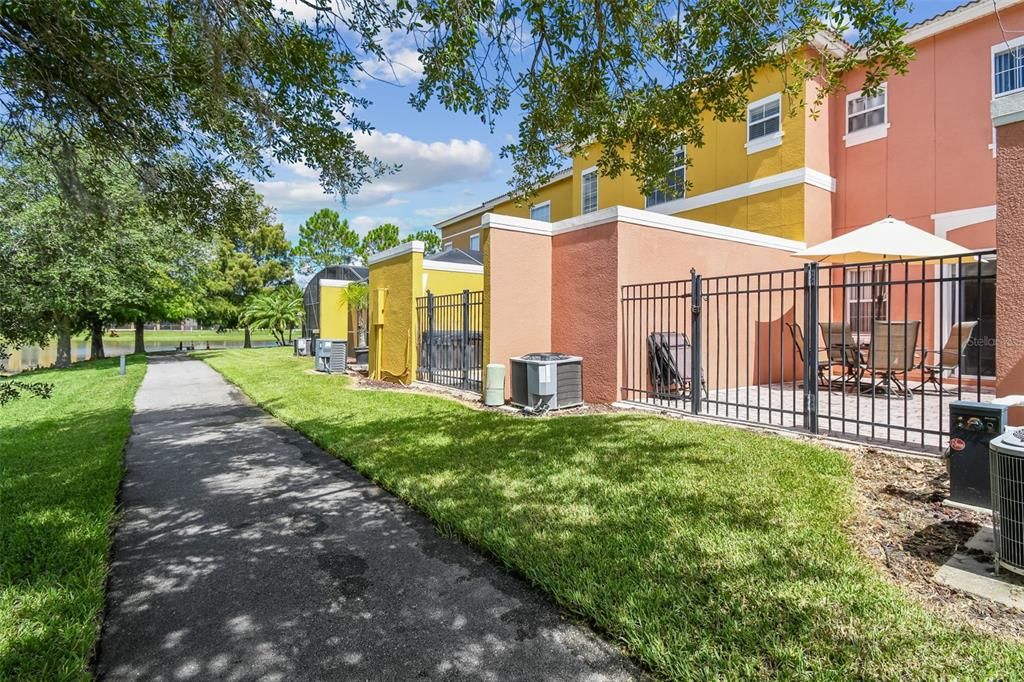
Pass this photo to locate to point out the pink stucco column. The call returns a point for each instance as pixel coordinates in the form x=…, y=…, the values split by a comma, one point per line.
x=1008, y=118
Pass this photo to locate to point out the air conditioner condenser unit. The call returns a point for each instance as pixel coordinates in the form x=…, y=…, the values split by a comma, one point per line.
x=331, y=355
x=547, y=381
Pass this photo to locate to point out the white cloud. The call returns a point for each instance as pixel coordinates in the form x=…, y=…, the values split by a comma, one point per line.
x=364, y=223
x=403, y=67
x=424, y=166
x=436, y=213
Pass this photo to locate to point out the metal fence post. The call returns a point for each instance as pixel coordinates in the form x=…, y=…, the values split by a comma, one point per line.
x=811, y=347
x=465, y=338
x=696, y=370
x=430, y=337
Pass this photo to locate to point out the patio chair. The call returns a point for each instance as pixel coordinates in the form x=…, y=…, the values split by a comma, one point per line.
x=668, y=359
x=935, y=363
x=843, y=351
x=893, y=349
x=824, y=364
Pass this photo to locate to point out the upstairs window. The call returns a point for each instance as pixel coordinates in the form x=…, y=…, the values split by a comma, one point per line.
x=764, y=123
x=541, y=211
x=1007, y=68
x=675, y=183
x=588, y=190
x=447, y=246
x=866, y=117
x=474, y=242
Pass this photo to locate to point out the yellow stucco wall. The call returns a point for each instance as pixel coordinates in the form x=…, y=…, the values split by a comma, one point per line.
x=392, y=335
x=442, y=282
x=723, y=162
x=559, y=193
x=334, y=317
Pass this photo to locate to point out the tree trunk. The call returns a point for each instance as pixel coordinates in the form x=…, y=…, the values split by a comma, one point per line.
x=140, y=336
x=63, y=344
x=248, y=339
x=96, y=335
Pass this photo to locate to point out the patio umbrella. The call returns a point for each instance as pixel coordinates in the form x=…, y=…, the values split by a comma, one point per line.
x=886, y=239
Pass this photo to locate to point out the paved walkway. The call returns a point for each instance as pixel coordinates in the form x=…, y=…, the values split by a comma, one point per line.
x=245, y=552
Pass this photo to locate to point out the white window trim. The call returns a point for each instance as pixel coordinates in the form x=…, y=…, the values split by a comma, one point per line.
x=583, y=174
x=542, y=205
x=768, y=141
x=876, y=132
x=477, y=238
x=996, y=49
x=647, y=197
x=447, y=246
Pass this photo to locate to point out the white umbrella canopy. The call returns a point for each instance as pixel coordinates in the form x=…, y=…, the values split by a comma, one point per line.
x=886, y=239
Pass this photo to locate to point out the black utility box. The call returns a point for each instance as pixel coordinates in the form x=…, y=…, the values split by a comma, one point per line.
x=971, y=427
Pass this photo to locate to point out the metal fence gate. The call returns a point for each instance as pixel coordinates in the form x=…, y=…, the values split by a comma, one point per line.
x=872, y=352
x=451, y=339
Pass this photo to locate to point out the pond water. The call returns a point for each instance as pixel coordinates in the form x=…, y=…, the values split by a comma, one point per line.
x=34, y=357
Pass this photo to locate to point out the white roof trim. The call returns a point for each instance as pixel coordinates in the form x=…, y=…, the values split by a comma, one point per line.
x=491, y=203
x=953, y=220
x=395, y=251
x=955, y=17
x=636, y=216
x=453, y=267
x=337, y=282
x=798, y=176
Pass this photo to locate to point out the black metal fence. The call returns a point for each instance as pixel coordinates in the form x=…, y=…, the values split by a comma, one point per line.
x=872, y=351
x=451, y=339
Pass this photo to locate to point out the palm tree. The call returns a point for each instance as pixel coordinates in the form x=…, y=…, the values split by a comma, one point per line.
x=358, y=296
x=279, y=311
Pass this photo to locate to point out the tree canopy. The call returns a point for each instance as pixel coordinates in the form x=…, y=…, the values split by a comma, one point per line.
x=235, y=84
x=380, y=238
x=431, y=240
x=325, y=239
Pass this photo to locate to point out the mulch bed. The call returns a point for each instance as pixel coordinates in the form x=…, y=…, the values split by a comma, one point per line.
x=903, y=528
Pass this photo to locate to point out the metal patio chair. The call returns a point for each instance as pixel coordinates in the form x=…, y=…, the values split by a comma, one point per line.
x=843, y=351
x=892, y=353
x=935, y=363
x=668, y=357
x=825, y=364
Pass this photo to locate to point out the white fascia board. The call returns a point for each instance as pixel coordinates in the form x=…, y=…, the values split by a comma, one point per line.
x=954, y=18
x=342, y=283
x=395, y=251
x=799, y=176
x=646, y=218
x=496, y=221
x=953, y=220
x=453, y=267
x=491, y=203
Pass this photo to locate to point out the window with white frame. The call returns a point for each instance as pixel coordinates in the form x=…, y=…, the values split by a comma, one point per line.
x=866, y=299
x=1007, y=68
x=474, y=242
x=867, y=117
x=447, y=246
x=541, y=211
x=675, y=182
x=588, y=190
x=764, y=123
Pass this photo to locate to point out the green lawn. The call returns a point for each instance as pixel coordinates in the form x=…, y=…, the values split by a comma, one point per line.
x=60, y=467
x=706, y=551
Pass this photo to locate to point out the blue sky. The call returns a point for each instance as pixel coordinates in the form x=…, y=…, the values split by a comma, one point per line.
x=450, y=161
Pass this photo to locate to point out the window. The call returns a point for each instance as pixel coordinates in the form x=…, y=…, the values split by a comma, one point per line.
x=541, y=211
x=866, y=299
x=675, y=183
x=764, y=123
x=474, y=242
x=588, y=180
x=1007, y=68
x=866, y=117
x=447, y=246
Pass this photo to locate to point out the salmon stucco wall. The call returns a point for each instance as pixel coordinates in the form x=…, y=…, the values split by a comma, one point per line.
x=392, y=335
x=585, y=303
x=517, y=295
x=1010, y=263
